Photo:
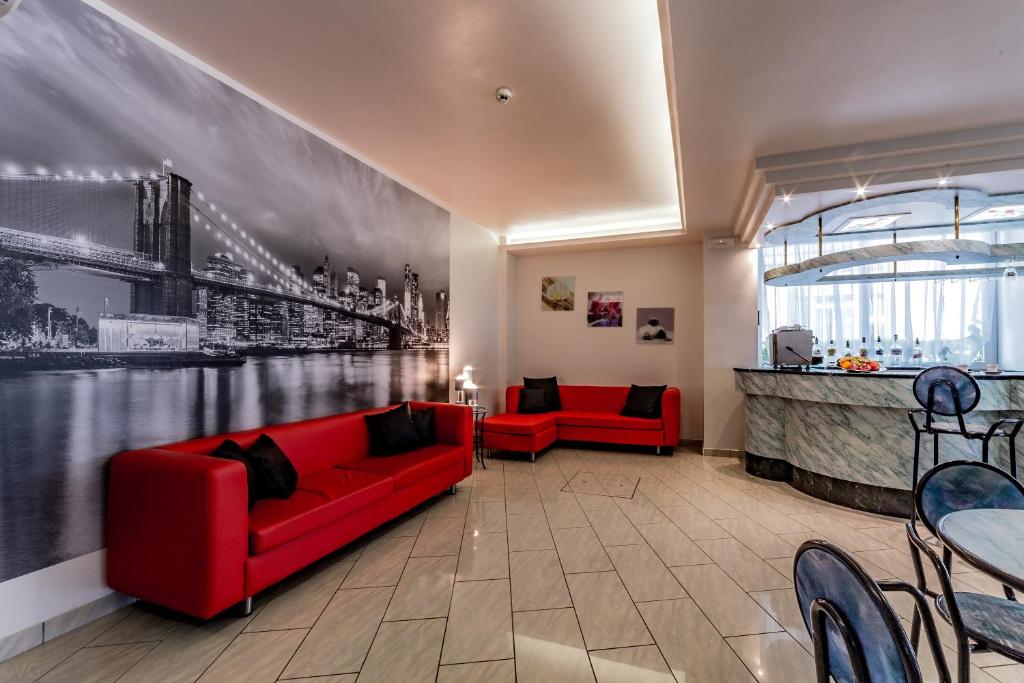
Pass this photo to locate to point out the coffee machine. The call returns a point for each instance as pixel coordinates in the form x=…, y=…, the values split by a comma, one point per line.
x=790, y=346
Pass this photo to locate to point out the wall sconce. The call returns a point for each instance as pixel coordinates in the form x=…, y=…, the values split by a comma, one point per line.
x=471, y=392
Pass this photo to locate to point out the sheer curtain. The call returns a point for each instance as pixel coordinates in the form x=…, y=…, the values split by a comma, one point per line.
x=954, y=319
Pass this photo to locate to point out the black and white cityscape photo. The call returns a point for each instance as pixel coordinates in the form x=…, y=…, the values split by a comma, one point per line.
x=176, y=260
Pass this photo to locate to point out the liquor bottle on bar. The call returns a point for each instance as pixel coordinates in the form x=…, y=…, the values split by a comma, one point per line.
x=917, y=355
x=896, y=351
x=849, y=351
x=863, y=351
x=817, y=360
x=831, y=353
x=879, y=350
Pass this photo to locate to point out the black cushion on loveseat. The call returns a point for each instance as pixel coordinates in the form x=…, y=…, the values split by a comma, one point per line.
x=274, y=471
x=643, y=401
x=533, y=401
x=552, y=401
x=392, y=431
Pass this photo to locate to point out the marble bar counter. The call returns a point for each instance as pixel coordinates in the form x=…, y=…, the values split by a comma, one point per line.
x=846, y=438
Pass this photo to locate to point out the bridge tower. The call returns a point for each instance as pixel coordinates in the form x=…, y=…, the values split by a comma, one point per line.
x=163, y=232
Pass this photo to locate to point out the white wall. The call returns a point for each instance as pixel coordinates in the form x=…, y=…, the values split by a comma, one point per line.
x=545, y=343
x=474, y=306
x=730, y=340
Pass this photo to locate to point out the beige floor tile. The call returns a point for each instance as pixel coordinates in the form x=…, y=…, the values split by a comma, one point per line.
x=836, y=531
x=549, y=647
x=711, y=505
x=757, y=538
x=730, y=609
x=644, y=574
x=613, y=528
x=483, y=556
x=339, y=641
x=672, y=545
x=140, y=626
x=340, y=678
x=523, y=502
x=617, y=485
x=565, y=514
x=408, y=525
x=519, y=479
x=488, y=493
x=595, y=502
x=630, y=665
x=439, y=536
x=640, y=510
x=770, y=518
x=99, y=664
x=502, y=671
x=425, y=590
x=406, y=651
x=775, y=657
x=537, y=581
x=529, y=532
x=484, y=518
x=447, y=505
x=32, y=664
x=586, y=483
x=479, y=623
x=186, y=653
x=782, y=606
x=255, y=657
x=581, y=551
x=299, y=603
x=380, y=564
x=1007, y=674
x=694, y=523
x=606, y=614
x=747, y=569
x=692, y=647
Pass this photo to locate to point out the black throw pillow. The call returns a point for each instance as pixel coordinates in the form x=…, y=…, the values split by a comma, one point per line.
x=275, y=472
x=230, y=450
x=392, y=431
x=533, y=401
x=550, y=386
x=423, y=421
x=643, y=402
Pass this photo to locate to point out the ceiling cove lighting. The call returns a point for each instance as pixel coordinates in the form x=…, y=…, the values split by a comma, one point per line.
x=997, y=213
x=861, y=223
x=615, y=225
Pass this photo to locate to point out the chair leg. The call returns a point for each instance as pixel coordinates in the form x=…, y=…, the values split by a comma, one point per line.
x=1013, y=458
x=984, y=451
x=935, y=448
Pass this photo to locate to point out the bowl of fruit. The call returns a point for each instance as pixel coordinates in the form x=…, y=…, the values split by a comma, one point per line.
x=858, y=364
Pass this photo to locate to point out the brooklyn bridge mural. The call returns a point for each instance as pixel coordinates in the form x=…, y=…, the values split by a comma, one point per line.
x=178, y=260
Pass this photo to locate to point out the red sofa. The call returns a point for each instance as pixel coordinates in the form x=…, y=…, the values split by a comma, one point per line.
x=180, y=534
x=588, y=414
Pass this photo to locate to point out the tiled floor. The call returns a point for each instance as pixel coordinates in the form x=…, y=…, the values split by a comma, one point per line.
x=584, y=566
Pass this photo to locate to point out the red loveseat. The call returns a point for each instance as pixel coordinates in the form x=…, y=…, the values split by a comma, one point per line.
x=588, y=414
x=180, y=533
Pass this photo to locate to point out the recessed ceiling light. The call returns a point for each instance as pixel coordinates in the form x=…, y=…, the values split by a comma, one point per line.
x=863, y=223
x=503, y=95
x=862, y=190
x=786, y=198
x=943, y=182
x=998, y=213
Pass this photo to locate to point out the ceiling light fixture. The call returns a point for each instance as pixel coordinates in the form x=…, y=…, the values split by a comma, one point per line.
x=787, y=197
x=943, y=182
x=503, y=95
x=613, y=225
x=862, y=190
x=862, y=223
x=997, y=213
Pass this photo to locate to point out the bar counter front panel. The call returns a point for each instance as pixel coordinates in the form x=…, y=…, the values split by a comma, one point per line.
x=845, y=437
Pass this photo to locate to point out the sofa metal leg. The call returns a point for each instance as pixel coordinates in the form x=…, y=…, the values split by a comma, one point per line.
x=245, y=607
x=657, y=450
x=451, y=490
x=533, y=456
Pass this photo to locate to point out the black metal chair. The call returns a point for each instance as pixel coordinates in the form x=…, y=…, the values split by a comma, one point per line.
x=995, y=624
x=945, y=391
x=857, y=636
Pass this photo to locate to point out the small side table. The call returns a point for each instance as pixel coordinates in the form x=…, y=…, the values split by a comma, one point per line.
x=479, y=413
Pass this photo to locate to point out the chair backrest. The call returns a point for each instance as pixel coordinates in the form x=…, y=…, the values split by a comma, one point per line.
x=965, y=485
x=946, y=390
x=824, y=573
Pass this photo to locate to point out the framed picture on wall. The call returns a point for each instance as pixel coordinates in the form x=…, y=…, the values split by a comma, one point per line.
x=604, y=309
x=655, y=325
x=558, y=293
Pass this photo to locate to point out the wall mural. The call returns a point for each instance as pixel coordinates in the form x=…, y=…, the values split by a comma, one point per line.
x=176, y=260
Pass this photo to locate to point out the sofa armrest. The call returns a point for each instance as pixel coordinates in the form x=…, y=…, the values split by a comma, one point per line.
x=512, y=398
x=177, y=529
x=670, y=402
x=454, y=425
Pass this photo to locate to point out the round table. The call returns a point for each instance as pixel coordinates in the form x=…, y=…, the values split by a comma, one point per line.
x=992, y=540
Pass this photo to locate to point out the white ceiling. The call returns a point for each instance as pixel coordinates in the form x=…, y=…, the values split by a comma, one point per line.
x=757, y=77
x=409, y=87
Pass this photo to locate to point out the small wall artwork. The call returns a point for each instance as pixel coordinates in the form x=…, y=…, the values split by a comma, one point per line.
x=655, y=325
x=604, y=309
x=558, y=293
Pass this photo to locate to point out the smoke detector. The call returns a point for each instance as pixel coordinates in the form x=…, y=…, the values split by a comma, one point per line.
x=8, y=6
x=502, y=94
